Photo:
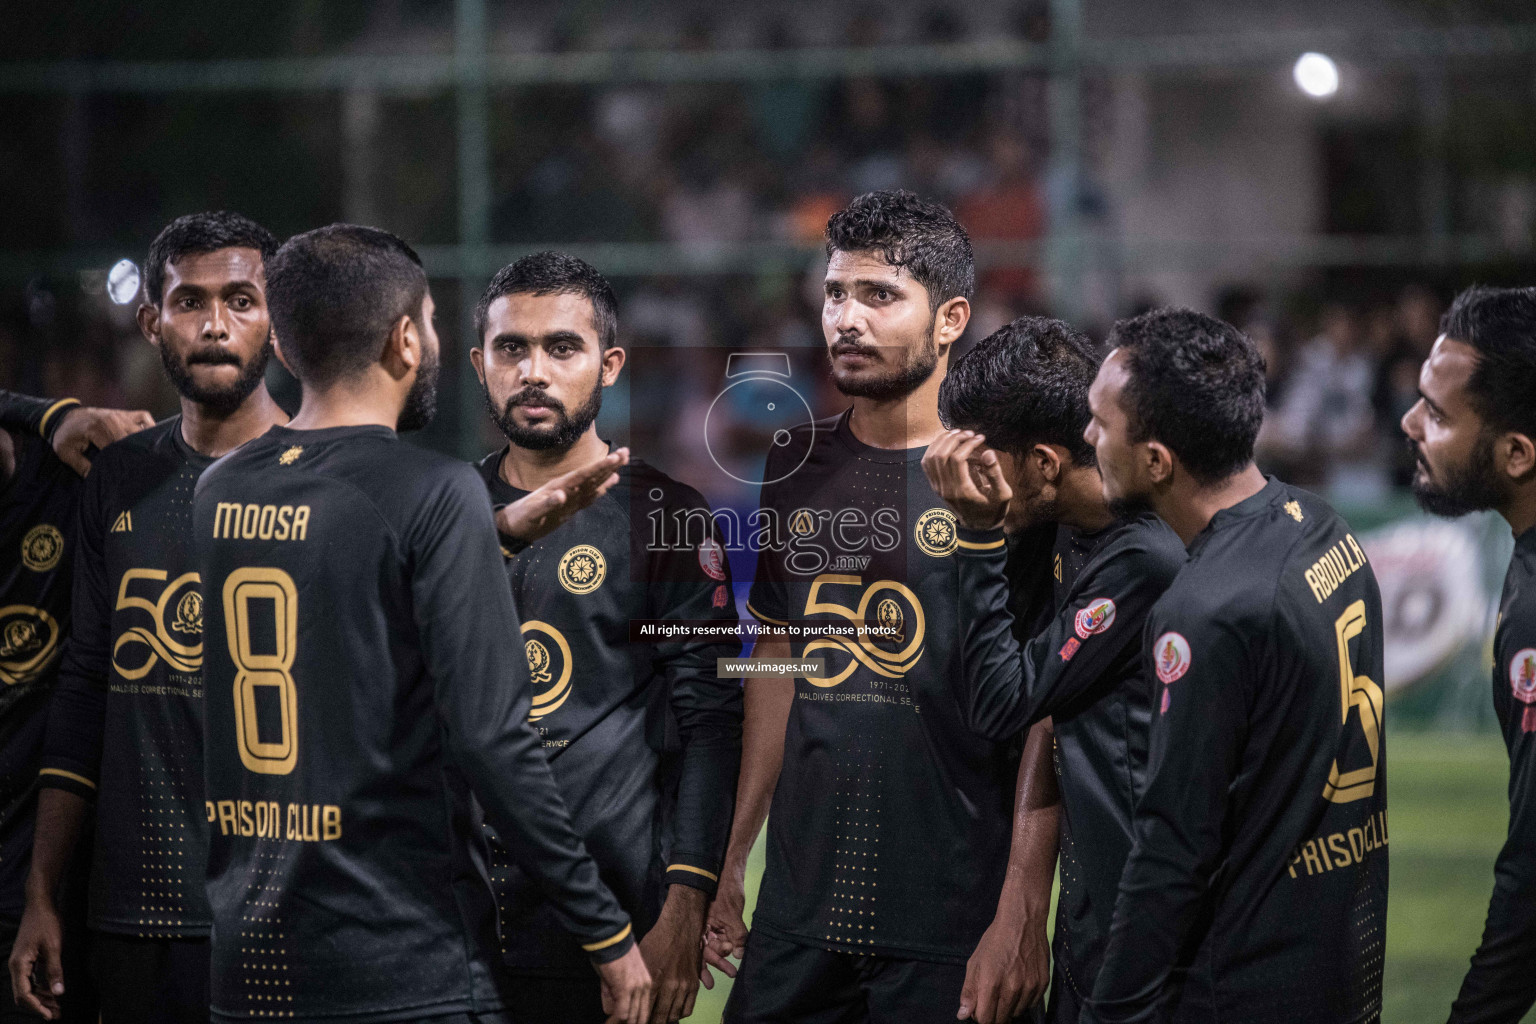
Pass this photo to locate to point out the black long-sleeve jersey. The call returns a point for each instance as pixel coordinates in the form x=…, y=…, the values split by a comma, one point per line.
x=126, y=722
x=1086, y=671
x=37, y=534
x=368, y=695
x=1256, y=888
x=890, y=826
x=25, y=414
x=643, y=737
x=1501, y=986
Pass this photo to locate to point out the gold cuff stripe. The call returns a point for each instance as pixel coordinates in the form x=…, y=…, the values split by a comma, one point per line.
x=990, y=545
x=759, y=615
x=63, y=403
x=61, y=773
x=697, y=871
x=594, y=947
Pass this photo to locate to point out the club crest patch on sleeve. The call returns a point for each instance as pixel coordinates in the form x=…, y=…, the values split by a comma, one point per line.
x=712, y=559
x=1170, y=655
x=1097, y=616
x=1522, y=683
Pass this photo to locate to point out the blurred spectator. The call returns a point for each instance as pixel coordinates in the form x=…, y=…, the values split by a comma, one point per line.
x=1404, y=334
x=1006, y=207
x=1325, y=425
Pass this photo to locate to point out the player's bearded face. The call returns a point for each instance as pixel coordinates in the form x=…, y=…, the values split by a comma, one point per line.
x=562, y=428
x=421, y=401
x=1126, y=489
x=1456, y=487
x=212, y=327
x=879, y=328
x=218, y=396
x=885, y=371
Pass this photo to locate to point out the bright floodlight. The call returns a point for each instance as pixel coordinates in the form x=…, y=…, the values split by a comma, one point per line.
x=123, y=282
x=1316, y=75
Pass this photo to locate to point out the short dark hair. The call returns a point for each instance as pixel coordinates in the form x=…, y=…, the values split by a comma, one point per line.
x=554, y=273
x=197, y=233
x=1196, y=384
x=1500, y=324
x=1025, y=384
x=335, y=293
x=922, y=237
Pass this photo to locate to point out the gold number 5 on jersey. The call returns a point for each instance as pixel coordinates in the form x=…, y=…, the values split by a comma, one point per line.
x=274, y=589
x=1362, y=692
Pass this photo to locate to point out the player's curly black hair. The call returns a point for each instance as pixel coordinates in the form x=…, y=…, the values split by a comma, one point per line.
x=335, y=293
x=553, y=273
x=197, y=233
x=1196, y=384
x=922, y=237
x=1500, y=324
x=1024, y=384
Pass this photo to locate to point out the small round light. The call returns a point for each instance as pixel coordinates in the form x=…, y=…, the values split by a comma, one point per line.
x=1316, y=75
x=123, y=282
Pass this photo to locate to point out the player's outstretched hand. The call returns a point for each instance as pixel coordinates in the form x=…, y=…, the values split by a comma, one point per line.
x=969, y=477
x=1007, y=973
x=536, y=514
x=725, y=930
x=37, y=967
x=83, y=428
x=672, y=953
x=626, y=988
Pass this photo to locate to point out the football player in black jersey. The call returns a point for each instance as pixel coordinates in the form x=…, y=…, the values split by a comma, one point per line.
x=643, y=738
x=1473, y=432
x=1256, y=887
x=1021, y=397
x=368, y=692
x=44, y=448
x=895, y=889
x=125, y=726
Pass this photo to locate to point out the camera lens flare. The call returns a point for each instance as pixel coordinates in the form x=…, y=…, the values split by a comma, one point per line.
x=123, y=282
x=1316, y=75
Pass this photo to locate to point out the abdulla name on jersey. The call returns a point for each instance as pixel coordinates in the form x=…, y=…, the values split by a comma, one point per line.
x=1257, y=886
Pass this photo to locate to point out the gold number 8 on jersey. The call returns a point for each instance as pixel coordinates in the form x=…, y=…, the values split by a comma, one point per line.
x=267, y=669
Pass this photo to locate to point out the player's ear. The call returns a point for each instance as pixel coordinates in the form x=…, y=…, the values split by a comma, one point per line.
x=477, y=359
x=950, y=320
x=403, y=348
x=614, y=358
x=277, y=350
x=148, y=317
x=1159, y=462
x=1519, y=455
x=1047, y=461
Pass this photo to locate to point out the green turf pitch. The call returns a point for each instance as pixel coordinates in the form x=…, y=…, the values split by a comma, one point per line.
x=1447, y=813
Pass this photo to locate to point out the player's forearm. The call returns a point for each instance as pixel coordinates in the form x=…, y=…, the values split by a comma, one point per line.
x=995, y=682
x=706, y=796
x=1500, y=985
x=61, y=819
x=767, y=701
x=77, y=717
x=33, y=415
x=1036, y=831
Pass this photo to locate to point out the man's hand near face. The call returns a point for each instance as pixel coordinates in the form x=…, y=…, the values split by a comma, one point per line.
x=84, y=428
x=537, y=514
x=969, y=477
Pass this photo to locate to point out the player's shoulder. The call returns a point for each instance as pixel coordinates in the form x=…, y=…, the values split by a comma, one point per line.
x=1148, y=545
x=648, y=484
x=152, y=444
